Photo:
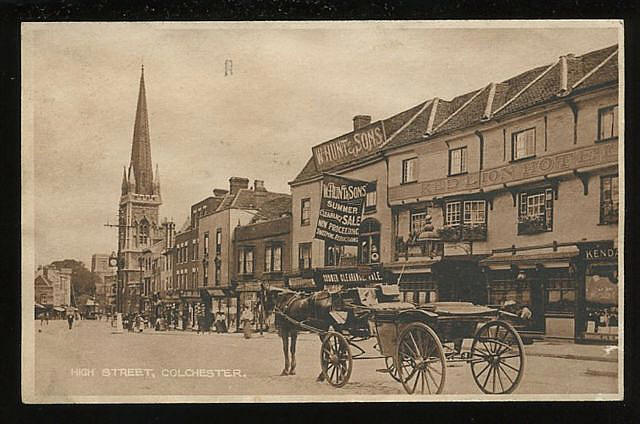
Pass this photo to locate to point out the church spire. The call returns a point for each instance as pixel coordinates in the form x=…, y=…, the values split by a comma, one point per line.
x=125, y=183
x=141, y=146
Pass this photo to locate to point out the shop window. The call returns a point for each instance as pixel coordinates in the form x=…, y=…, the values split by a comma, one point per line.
x=458, y=161
x=371, y=200
x=560, y=296
x=535, y=212
x=501, y=291
x=601, y=300
x=523, y=144
x=609, y=198
x=304, y=255
x=206, y=244
x=608, y=123
x=339, y=255
x=369, y=242
x=273, y=258
x=305, y=212
x=245, y=261
x=409, y=170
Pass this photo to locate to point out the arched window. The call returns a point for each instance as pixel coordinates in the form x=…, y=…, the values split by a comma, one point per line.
x=143, y=232
x=369, y=242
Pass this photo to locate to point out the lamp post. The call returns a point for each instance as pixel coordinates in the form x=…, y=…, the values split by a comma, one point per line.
x=140, y=290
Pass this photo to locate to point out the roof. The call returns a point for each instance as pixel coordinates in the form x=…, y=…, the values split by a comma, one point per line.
x=273, y=209
x=525, y=90
x=248, y=199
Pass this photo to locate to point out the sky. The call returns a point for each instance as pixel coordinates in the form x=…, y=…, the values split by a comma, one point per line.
x=294, y=85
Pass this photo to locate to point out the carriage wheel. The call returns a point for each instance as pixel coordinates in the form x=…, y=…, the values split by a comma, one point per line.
x=497, y=358
x=420, y=360
x=335, y=357
x=391, y=368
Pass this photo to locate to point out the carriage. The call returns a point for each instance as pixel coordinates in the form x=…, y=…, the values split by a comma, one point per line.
x=418, y=342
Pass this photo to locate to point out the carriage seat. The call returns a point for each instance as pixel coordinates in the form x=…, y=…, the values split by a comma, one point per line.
x=392, y=306
x=457, y=308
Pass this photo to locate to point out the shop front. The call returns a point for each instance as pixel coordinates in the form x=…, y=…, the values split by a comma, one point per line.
x=598, y=292
x=417, y=281
x=220, y=301
x=540, y=278
x=188, y=319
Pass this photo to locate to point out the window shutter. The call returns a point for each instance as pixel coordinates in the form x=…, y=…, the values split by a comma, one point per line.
x=548, y=208
x=523, y=205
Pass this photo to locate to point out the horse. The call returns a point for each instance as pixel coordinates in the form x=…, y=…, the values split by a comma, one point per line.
x=310, y=309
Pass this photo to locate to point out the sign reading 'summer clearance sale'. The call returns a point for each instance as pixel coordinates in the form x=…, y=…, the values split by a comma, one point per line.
x=341, y=209
x=355, y=145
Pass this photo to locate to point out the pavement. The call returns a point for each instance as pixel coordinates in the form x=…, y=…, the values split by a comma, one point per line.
x=91, y=360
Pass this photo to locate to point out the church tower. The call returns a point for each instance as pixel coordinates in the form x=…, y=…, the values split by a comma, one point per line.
x=140, y=200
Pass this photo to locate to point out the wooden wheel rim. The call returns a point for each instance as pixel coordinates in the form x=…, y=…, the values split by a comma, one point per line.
x=391, y=368
x=497, y=358
x=420, y=360
x=336, y=360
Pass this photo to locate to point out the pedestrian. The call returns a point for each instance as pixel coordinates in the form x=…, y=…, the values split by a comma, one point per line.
x=245, y=319
x=223, y=322
x=70, y=320
x=46, y=317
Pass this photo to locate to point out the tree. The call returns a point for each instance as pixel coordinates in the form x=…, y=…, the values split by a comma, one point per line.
x=83, y=281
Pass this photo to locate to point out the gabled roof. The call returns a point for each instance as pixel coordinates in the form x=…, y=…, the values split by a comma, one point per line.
x=530, y=88
x=273, y=209
x=248, y=199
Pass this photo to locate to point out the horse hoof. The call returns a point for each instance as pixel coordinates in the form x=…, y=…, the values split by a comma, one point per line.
x=292, y=373
x=320, y=379
x=284, y=372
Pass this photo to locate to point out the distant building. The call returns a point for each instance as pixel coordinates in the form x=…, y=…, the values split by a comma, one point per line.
x=52, y=287
x=100, y=267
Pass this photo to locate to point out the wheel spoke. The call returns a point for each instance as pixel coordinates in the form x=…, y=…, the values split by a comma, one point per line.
x=509, y=366
x=517, y=355
x=493, y=372
x=435, y=383
x=505, y=373
x=422, y=382
x=488, y=374
x=483, y=370
x=418, y=353
x=333, y=372
x=415, y=384
x=499, y=378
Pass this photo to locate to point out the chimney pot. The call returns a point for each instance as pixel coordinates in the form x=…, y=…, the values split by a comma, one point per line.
x=258, y=185
x=360, y=121
x=238, y=183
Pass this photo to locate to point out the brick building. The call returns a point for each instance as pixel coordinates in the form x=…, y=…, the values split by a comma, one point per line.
x=508, y=192
x=262, y=252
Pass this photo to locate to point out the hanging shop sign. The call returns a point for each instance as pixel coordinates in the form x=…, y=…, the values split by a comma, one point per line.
x=341, y=208
x=598, y=251
x=355, y=145
x=349, y=276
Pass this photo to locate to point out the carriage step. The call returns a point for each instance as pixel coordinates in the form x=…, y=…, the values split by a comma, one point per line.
x=383, y=370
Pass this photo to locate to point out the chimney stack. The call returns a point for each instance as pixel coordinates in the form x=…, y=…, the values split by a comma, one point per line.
x=258, y=185
x=360, y=121
x=219, y=192
x=238, y=183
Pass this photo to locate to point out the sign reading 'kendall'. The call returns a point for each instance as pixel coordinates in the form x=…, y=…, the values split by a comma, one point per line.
x=341, y=209
x=354, y=145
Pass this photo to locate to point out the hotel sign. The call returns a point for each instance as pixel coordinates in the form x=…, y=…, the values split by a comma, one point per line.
x=341, y=209
x=566, y=161
x=355, y=145
x=598, y=251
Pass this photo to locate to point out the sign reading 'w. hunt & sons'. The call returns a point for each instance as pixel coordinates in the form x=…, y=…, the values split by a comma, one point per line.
x=341, y=210
x=355, y=145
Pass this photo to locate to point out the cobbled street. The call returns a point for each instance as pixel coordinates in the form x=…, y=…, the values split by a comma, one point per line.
x=156, y=364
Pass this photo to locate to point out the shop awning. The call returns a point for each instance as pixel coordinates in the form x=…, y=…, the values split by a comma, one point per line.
x=39, y=306
x=297, y=283
x=214, y=292
x=59, y=309
x=558, y=259
x=248, y=286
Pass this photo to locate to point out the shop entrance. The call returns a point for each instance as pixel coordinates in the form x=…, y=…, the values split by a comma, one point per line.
x=461, y=281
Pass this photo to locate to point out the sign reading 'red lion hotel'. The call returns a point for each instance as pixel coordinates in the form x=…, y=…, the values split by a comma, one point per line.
x=346, y=148
x=341, y=209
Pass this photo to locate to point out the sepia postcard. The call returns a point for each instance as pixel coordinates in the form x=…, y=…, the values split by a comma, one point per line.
x=322, y=211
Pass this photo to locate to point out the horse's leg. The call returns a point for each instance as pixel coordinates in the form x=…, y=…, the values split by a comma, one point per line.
x=320, y=377
x=285, y=348
x=294, y=338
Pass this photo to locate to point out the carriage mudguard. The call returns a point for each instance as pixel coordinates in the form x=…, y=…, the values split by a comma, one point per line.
x=420, y=315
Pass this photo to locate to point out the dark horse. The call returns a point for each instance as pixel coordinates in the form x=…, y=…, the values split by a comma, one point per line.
x=309, y=309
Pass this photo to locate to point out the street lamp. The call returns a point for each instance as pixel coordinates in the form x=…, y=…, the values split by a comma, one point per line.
x=141, y=260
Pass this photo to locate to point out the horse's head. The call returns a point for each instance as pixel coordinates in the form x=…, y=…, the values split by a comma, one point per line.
x=270, y=296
